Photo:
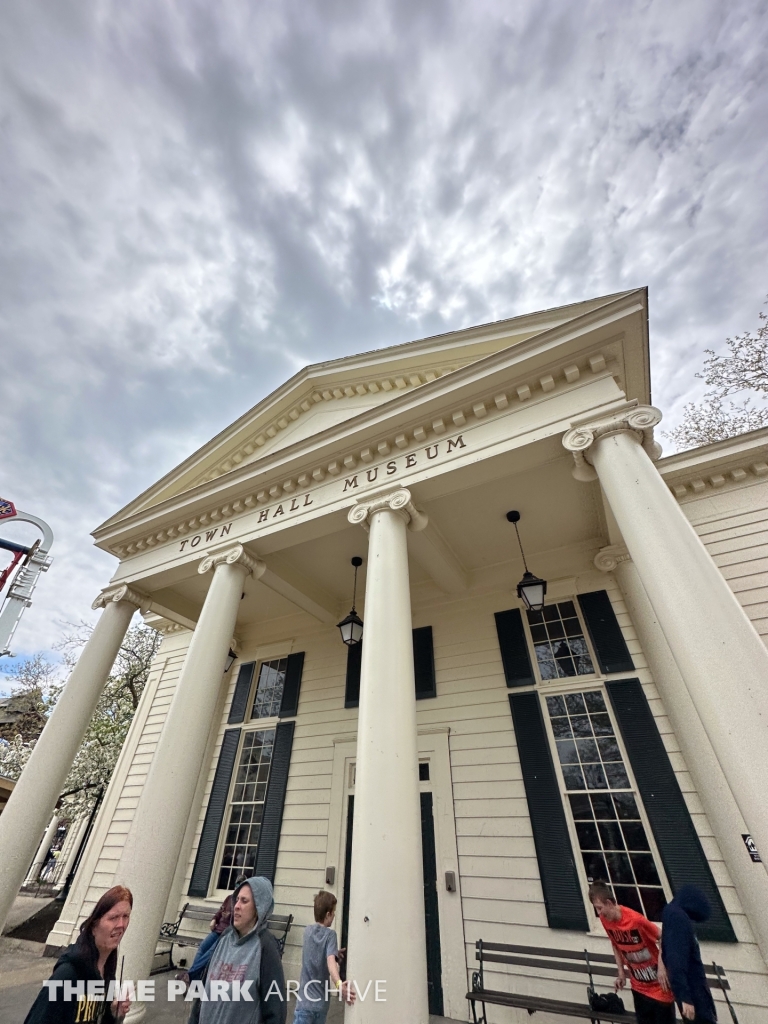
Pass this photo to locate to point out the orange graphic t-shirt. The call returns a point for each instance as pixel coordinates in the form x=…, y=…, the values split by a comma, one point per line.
x=637, y=940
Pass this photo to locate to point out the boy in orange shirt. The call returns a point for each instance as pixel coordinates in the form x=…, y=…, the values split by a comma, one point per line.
x=635, y=942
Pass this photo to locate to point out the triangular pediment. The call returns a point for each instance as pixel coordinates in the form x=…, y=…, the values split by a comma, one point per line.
x=325, y=395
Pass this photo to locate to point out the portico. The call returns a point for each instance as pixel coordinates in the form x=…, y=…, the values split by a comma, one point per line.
x=392, y=774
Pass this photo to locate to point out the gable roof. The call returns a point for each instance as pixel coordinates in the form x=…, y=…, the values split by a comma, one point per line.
x=326, y=394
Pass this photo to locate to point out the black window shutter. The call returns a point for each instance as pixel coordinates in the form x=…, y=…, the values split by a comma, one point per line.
x=239, y=707
x=563, y=898
x=424, y=663
x=272, y=817
x=605, y=632
x=513, y=644
x=290, y=703
x=679, y=846
x=214, y=815
x=352, y=689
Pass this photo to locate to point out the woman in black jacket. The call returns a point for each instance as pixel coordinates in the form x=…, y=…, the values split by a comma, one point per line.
x=93, y=958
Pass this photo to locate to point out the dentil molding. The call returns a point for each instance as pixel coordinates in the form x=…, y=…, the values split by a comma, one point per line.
x=639, y=421
x=398, y=501
x=395, y=444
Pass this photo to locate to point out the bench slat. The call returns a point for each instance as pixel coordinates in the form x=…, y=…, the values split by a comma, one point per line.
x=549, y=1006
x=569, y=954
x=548, y=965
x=565, y=954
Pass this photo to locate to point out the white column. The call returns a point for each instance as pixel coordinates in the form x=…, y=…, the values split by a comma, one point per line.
x=387, y=940
x=151, y=853
x=719, y=805
x=82, y=825
x=42, y=851
x=35, y=794
x=721, y=658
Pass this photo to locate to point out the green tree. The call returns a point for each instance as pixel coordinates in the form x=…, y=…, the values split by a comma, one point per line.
x=744, y=368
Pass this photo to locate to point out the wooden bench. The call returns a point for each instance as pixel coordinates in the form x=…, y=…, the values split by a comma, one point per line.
x=279, y=925
x=563, y=960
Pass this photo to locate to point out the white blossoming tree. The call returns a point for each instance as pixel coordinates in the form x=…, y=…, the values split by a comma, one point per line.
x=96, y=759
x=744, y=368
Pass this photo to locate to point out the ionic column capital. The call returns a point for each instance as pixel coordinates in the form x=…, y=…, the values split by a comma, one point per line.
x=234, y=555
x=121, y=592
x=609, y=557
x=639, y=421
x=399, y=502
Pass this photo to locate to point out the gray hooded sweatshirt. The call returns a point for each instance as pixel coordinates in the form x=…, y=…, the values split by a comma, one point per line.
x=254, y=957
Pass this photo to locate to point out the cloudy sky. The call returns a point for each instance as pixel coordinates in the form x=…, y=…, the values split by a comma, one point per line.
x=199, y=198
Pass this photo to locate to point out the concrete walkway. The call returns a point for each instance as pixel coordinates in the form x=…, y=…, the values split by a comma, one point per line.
x=23, y=969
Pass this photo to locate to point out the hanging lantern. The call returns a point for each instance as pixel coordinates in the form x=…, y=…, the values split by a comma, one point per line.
x=351, y=628
x=531, y=590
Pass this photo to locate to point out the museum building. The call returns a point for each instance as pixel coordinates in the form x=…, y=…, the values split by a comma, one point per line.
x=487, y=749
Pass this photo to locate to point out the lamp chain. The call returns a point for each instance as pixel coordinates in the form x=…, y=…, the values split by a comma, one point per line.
x=525, y=564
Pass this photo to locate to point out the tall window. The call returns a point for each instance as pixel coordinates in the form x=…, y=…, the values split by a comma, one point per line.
x=269, y=688
x=612, y=838
x=246, y=807
x=559, y=643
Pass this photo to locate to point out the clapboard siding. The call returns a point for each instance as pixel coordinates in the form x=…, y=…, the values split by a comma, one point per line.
x=500, y=889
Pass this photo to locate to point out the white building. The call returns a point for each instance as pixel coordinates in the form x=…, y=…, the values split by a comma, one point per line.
x=643, y=685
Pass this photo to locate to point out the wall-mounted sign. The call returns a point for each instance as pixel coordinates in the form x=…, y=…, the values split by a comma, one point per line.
x=749, y=842
x=347, y=482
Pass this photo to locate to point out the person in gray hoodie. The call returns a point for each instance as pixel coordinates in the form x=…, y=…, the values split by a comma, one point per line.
x=246, y=959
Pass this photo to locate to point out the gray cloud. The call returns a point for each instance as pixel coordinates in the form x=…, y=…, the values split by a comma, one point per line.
x=197, y=199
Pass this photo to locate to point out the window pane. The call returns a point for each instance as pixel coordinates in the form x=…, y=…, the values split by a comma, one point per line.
x=588, y=835
x=626, y=806
x=580, y=807
x=628, y=897
x=566, y=751
x=545, y=661
x=619, y=868
x=594, y=701
x=556, y=656
x=612, y=839
x=565, y=667
x=246, y=807
x=603, y=806
x=645, y=869
x=617, y=776
x=587, y=750
x=634, y=835
x=573, y=777
x=269, y=689
x=594, y=776
x=609, y=750
x=610, y=833
x=580, y=725
x=602, y=725
x=594, y=866
x=655, y=901
x=555, y=706
x=574, y=702
x=561, y=727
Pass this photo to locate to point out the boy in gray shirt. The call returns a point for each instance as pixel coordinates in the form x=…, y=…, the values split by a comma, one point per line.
x=319, y=966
